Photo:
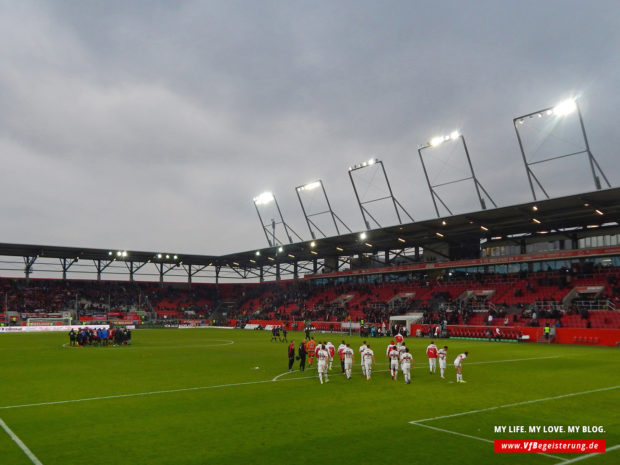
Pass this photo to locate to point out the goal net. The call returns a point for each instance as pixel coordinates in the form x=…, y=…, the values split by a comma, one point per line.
x=49, y=321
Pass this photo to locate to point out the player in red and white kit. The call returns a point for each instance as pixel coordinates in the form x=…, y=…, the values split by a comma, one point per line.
x=458, y=365
x=399, y=339
x=348, y=354
x=322, y=356
x=431, y=353
x=362, y=349
x=390, y=346
x=405, y=364
x=442, y=354
x=332, y=350
x=394, y=356
x=369, y=361
x=340, y=348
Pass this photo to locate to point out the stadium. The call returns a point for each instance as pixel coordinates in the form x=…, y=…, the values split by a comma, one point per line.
x=152, y=355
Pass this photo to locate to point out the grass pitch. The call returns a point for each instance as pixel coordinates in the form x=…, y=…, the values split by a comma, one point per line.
x=206, y=396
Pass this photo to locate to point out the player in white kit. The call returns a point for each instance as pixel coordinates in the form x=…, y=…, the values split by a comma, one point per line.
x=348, y=360
x=369, y=361
x=442, y=354
x=322, y=356
x=459, y=369
x=394, y=356
x=332, y=350
x=405, y=365
x=363, y=348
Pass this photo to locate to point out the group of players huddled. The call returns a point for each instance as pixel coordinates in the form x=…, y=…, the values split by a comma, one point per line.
x=397, y=353
x=99, y=337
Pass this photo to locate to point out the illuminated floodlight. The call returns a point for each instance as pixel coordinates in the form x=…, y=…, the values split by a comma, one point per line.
x=124, y=253
x=565, y=108
x=562, y=109
x=280, y=249
x=438, y=140
x=258, y=253
x=118, y=253
x=310, y=186
x=158, y=255
x=363, y=235
x=264, y=198
x=312, y=244
x=175, y=257
x=167, y=256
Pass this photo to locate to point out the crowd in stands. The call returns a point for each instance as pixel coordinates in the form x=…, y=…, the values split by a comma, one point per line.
x=444, y=298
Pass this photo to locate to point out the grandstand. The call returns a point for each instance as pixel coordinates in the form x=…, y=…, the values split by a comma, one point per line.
x=565, y=276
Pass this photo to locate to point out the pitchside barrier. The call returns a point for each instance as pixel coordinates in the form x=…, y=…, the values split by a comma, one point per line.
x=584, y=336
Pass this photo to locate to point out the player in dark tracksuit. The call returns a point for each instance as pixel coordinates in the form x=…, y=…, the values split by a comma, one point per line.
x=291, y=355
x=301, y=353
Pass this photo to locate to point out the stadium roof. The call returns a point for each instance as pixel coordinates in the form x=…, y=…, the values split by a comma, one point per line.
x=575, y=214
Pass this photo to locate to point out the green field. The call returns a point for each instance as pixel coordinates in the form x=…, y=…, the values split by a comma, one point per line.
x=207, y=396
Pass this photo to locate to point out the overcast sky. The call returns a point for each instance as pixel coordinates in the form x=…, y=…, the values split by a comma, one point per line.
x=151, y=125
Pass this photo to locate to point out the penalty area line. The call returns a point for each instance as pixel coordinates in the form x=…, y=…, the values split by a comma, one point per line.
x=33, y=458
x=475, y=437
x=584, y=457
x=572, y=394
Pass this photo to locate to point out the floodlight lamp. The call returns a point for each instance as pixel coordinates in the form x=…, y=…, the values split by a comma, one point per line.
x=175, y=257
x=372, y=161
x=118, y=253
x=565, y=108
x=158, y=255
x=167, y=256
x=311, y=185
x=258, y=253
x=435, y=141
x=110, y=252
x=264, y=198
x=454, y=135
x=280, y=249
x=124, y=253
x=312, y=244
x=363, y=236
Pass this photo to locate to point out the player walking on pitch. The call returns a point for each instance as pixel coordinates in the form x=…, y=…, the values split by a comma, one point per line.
x=442, y=354
x=405, y=365
x=363, y=348
x=458, y=365
x=369, y=361
x=322, y=356
x=394, y=356
x=332, y=350
x=431, y=353
x=348, y=353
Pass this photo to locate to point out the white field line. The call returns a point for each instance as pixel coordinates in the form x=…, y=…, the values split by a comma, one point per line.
x=166, y=391
x=477, y=438
x=198, y=388
x=584, y=457
x=572, y=394
x=19, y=442
x=505, y=361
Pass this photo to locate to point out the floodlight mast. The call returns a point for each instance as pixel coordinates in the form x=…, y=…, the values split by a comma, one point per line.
x=361, y=204
x=311, y=186
x=560, y=110
x=436, y=141
x=264, y=199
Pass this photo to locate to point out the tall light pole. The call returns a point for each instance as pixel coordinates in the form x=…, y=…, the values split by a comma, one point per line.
x=437, y=141
x=362, y=204
x=561, y=110
x=313, y=186
x=267, y=198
